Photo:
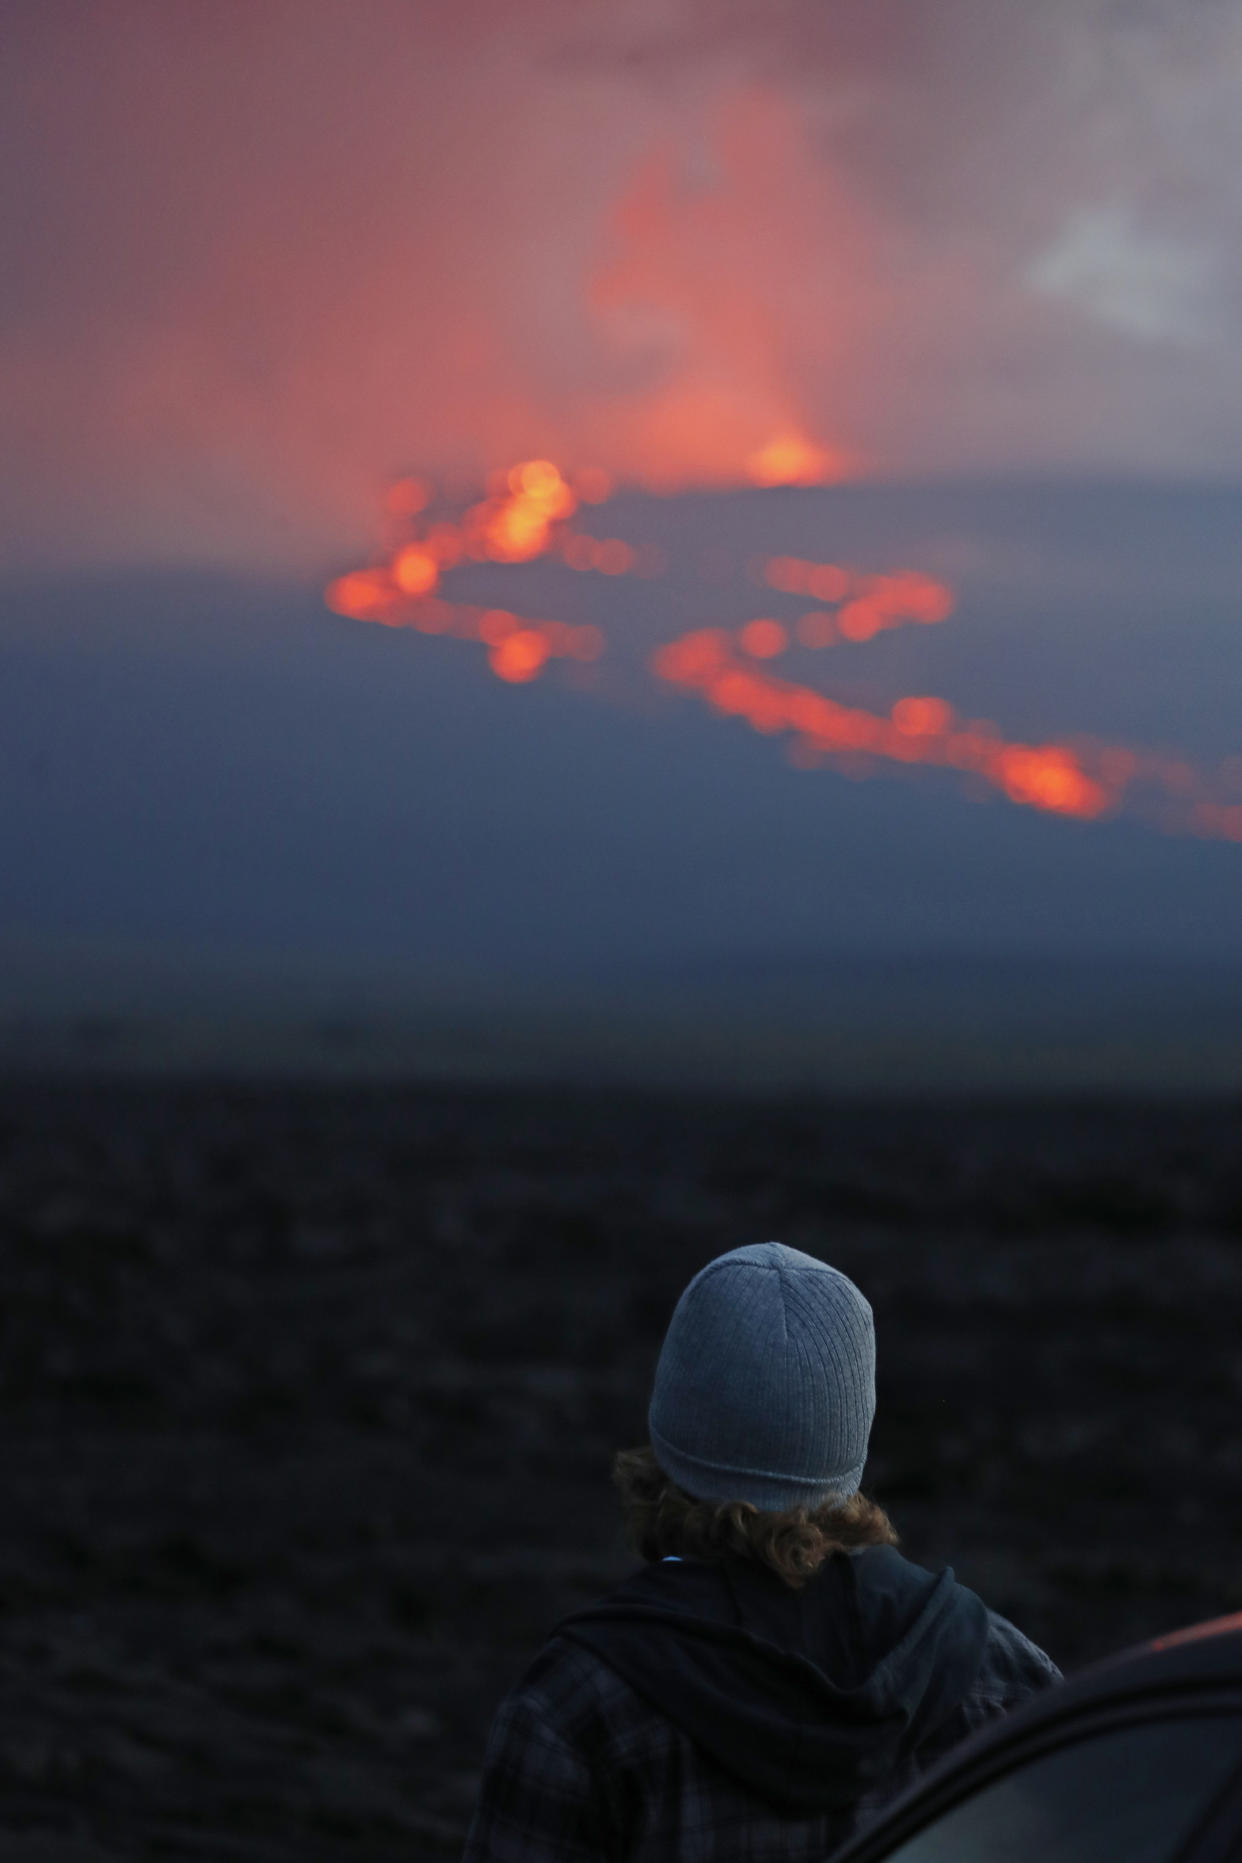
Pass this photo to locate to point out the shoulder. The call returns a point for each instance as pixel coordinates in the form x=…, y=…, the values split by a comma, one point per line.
x=1013, y=1667
x=1011, y=1670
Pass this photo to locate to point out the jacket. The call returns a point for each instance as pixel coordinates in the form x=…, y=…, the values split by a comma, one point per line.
x=706, y=1713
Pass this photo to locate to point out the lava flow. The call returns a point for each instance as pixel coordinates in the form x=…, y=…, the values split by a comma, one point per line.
x=525, y=515
x=529, y=512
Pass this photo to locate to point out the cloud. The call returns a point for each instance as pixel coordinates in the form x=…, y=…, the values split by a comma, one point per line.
x=1151, y=287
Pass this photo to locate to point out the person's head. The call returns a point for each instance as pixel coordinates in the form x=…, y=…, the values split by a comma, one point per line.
x=759, y=1419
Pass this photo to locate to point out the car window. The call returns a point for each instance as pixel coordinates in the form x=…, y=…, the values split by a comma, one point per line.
x=1130, y=1795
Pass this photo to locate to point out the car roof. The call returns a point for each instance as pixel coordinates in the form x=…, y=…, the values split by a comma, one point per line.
x=1187, y=1663
x=1208, y=1652
x=1205, y=1655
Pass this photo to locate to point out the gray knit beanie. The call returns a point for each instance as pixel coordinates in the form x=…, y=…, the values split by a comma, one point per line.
x=765, y=1387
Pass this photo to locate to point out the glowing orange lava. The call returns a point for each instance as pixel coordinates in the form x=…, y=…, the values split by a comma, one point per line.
x=528, y=512
x=1044, y=776
x=764, y=638
x=519, y=655
x=874, y=602
x=922, y=717
x=416, y=570
x=406, y=497
x=790, y=459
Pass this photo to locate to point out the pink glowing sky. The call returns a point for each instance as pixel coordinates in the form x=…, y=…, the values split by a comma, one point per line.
x=258, y=258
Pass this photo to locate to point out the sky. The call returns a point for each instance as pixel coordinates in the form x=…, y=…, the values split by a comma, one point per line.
x=944, y=292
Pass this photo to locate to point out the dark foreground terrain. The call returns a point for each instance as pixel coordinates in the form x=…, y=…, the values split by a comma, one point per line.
x=309, y=1398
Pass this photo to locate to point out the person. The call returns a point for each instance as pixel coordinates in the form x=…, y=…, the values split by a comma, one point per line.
x=777, y=1670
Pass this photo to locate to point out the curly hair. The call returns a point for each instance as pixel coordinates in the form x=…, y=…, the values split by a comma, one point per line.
x=662, y=1519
